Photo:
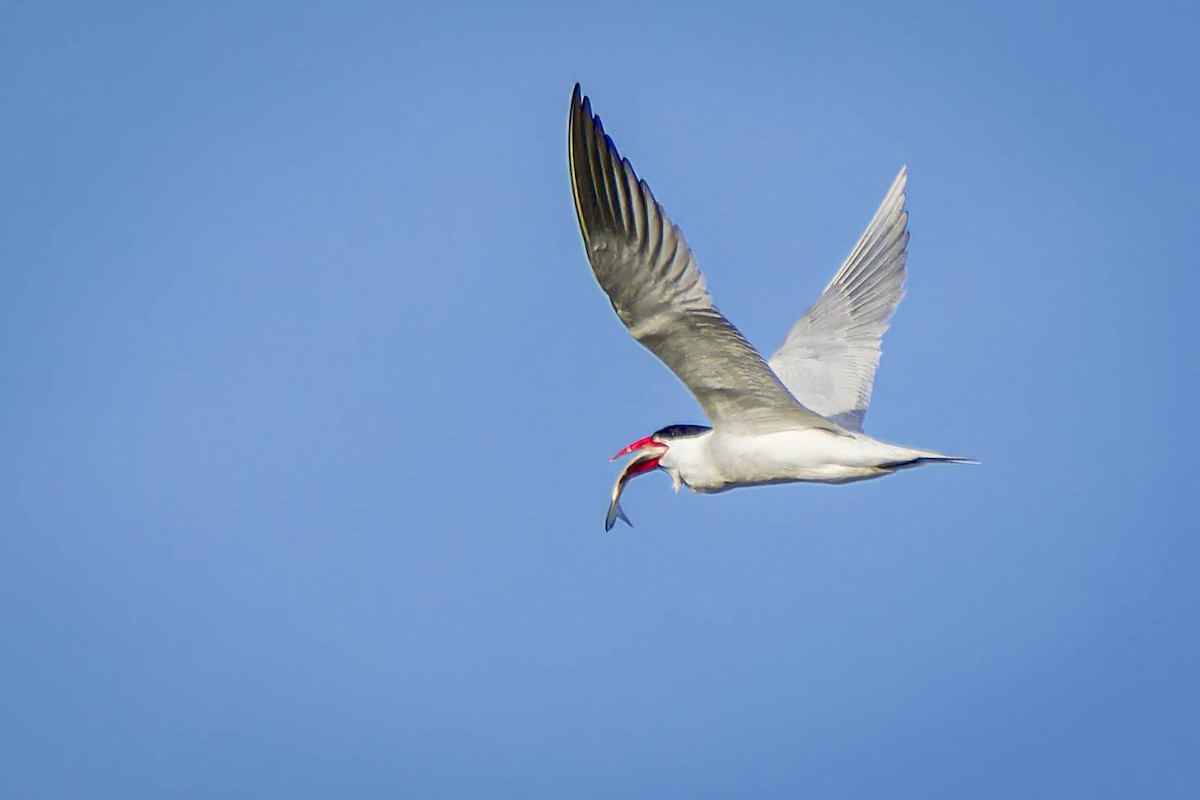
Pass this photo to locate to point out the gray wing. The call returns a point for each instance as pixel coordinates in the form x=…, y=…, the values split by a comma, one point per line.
x=644, y=265
x=828, y=360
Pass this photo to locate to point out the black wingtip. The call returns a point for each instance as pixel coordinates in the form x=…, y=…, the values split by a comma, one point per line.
x=577, y=100
x=581, y=106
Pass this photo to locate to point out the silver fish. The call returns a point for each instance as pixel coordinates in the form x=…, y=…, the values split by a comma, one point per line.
x=646, y=460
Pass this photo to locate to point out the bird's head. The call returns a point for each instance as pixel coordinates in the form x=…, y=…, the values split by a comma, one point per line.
x=650, y=451
x=652, y=448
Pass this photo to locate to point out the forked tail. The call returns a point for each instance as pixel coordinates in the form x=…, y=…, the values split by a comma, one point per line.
x=926, y=458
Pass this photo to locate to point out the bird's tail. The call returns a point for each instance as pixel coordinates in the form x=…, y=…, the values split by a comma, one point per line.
x=920, y=457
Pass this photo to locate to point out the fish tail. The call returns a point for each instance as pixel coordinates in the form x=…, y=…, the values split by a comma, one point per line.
x=615, y=513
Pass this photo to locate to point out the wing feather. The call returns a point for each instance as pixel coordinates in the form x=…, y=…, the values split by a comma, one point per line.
x=829, y=358
x=643, y=263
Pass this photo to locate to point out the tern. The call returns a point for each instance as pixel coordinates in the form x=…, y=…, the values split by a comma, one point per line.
x=795, y=417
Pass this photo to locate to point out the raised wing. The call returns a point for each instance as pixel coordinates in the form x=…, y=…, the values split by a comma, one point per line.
x=828, y=360
x=644, y=265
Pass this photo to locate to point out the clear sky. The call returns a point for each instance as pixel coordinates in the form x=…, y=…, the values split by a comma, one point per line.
x=308, y=394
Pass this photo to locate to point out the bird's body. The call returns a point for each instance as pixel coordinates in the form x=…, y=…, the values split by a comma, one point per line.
x=718, y=461
x=795, y=418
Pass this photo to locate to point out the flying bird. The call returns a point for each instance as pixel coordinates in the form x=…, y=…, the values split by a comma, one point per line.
x=795, y=417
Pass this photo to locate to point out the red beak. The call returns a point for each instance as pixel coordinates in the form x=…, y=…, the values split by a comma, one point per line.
x=638, y=445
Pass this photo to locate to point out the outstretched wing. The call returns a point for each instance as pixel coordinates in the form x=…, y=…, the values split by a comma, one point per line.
x=828, y=360
x=644, y=265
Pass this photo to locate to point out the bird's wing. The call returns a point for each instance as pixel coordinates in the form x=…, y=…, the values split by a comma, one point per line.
x=828, y=360
x=644, y=265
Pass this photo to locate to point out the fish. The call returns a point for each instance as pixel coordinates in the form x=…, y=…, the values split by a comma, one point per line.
x=645, y=461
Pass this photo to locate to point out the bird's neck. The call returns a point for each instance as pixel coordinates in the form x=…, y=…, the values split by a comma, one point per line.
x=689, y=463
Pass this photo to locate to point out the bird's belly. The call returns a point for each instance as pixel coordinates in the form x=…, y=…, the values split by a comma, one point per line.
x=810, y=455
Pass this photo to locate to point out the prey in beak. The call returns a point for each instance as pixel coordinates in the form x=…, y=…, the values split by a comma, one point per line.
x=649, y=453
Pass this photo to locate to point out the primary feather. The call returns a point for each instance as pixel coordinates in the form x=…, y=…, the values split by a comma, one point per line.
x=645, y=267
x=829, y=358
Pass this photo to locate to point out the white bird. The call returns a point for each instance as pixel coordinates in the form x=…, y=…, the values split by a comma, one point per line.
x=797, y=417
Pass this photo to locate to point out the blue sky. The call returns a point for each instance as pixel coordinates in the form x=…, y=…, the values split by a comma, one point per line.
x=309, y=392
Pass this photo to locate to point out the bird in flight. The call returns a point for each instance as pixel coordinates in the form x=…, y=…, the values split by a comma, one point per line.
x=795, y=417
